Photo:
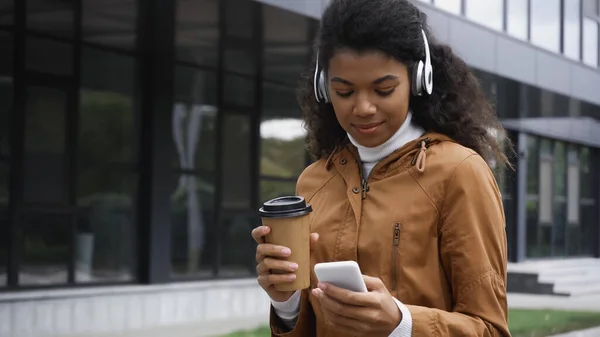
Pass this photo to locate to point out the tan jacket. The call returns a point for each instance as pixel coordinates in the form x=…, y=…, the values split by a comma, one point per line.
x=429, y=223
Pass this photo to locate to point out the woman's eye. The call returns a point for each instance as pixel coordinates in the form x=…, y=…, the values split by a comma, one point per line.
x=385, y=93
x=344, y=93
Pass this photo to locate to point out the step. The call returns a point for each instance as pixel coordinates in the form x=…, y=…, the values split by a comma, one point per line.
x=575, y=270
x=590, y=289
x=590, y=277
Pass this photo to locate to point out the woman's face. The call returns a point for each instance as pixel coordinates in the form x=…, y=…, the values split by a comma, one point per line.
x=370, y=94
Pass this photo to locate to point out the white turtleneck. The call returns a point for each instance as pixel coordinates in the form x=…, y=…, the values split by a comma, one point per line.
x=288, y=311
x=370, y=156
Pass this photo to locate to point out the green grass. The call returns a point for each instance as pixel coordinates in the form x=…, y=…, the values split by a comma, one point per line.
x=260, y=332
x=523, y=323
x=541, y=323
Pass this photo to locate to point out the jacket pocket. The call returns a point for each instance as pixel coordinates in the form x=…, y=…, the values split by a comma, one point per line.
x=395, y=253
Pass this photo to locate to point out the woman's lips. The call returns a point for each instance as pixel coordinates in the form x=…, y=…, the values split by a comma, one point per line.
x=367, y=129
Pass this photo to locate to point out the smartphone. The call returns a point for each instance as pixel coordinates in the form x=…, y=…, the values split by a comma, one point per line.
x=343, y=274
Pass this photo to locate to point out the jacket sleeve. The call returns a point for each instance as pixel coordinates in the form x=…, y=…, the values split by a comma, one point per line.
x=305, y=325
x=473, y=253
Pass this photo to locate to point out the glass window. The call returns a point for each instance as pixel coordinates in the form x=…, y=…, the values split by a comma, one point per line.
x=239, y=90
x=488, y=13
x=49, y=56
x=587, y=175
x=237, y=246
x=51, y=17
x=6, y=93
x=193, y=235
x=7, y=12
x=4, y=225
x=534, y=248
x=282, y=133
x=236, y=162
x=545, y=27
x=45, y=249
x=106, y=122
x=287, y=45
x=107, y=177
x=110, y=23
x=197, y=32
x=452, y=6
x=105, y=226
x=45, y=143
x=572, y=24
x=239, y=19
x=517, y=18
x=194, y=132
x=194, y=120
x=273, y=188
x=589, y=203
x=590, y=42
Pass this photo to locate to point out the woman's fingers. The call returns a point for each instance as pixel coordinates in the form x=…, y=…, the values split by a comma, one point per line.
x=278, y=266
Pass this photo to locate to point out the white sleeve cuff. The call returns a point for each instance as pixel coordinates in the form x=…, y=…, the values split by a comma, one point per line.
x=289, y=310
x=404, y=329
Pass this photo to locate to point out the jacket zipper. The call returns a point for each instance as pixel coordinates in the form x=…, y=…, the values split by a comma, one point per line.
x=395, y=256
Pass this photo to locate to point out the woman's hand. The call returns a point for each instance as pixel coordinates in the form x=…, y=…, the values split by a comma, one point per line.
x=271, y=257
x=374, y=313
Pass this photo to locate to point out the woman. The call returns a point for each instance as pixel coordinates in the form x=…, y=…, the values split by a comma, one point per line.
x=401, y=131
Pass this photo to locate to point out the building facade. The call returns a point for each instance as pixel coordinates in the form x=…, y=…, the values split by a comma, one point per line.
x=138, y=139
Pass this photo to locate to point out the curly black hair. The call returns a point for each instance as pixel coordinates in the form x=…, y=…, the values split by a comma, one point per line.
x=457, y=107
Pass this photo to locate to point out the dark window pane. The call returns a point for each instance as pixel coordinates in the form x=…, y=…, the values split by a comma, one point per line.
x=239, y=18
x=6, y=92
x=194, y=120
x=49, y=56
x=283, y=145
x=110, y=23
x=7, y=12
x=590, y=42
x=51, y=17
x=45, y=162
x=238, y=90
x=270, y=189
x=239, y=60
x=559, y=200
x=487, y=13
x=195, y=86
x=545, y=24
x=105, y=243
x=589, y=229
x=45, y=254
x=283, y=136
x=533, y=167
x=106, y=127
x=236, y=162
x=237, y=246
x=286, y=45
x=4, y=230
x=517, y=18
x=197, y=32
x=193, y=234
x=587, y=174
x=572, y=23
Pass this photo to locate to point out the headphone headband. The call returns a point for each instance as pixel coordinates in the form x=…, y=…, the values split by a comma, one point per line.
x=422, y=79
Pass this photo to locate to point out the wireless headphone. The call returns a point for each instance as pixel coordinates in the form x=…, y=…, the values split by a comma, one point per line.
x=421, y=82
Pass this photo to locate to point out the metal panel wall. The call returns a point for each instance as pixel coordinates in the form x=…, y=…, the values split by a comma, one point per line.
x=494, y=52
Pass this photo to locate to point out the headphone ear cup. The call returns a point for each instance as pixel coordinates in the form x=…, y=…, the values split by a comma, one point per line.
x=323, y=90
x=417, y=79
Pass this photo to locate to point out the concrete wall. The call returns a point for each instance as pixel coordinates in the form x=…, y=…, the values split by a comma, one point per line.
x=494, y=52
x=175, y=310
